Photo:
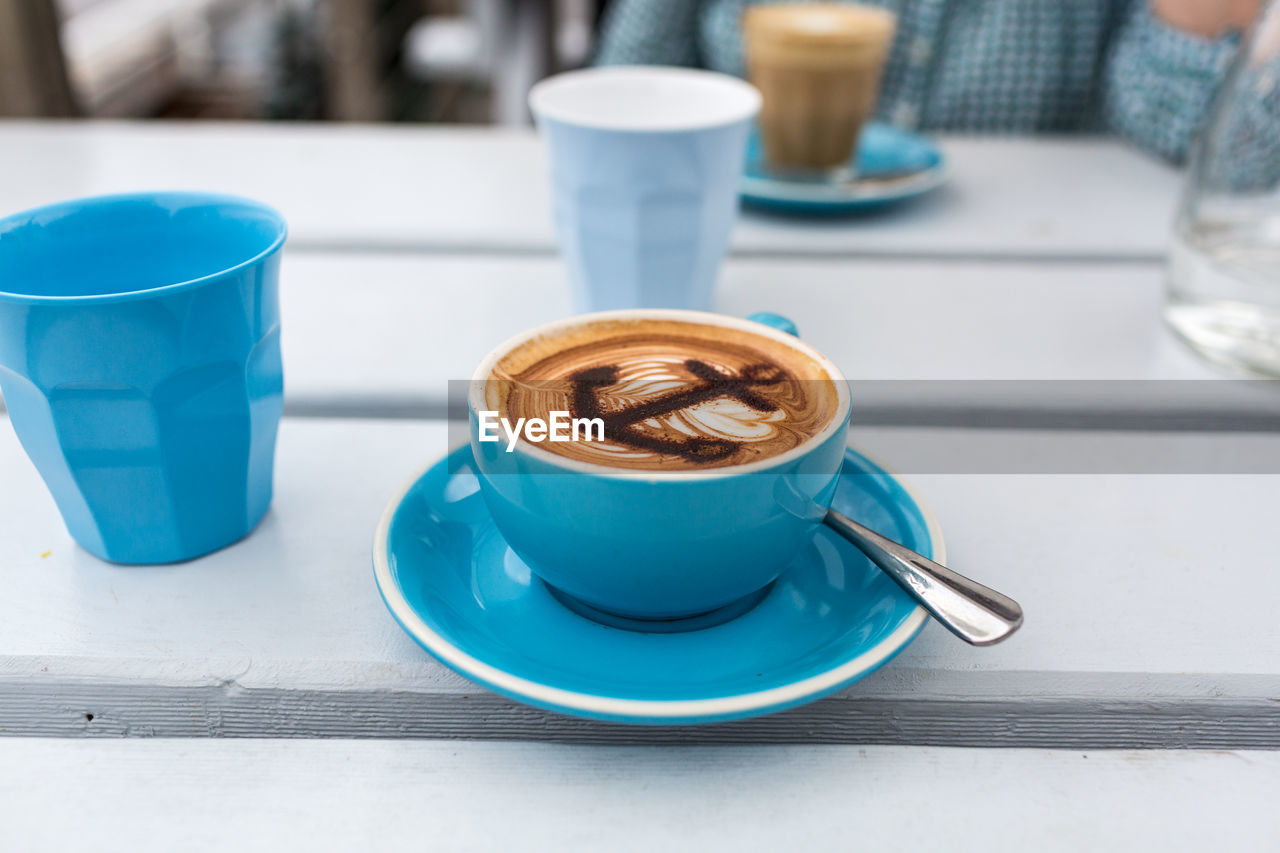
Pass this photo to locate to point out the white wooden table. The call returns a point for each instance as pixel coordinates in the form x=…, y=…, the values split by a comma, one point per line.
x=483, y=191
x=1014, y=316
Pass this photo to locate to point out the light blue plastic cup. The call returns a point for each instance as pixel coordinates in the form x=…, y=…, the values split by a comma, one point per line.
x=645, y=167
x=140, y=364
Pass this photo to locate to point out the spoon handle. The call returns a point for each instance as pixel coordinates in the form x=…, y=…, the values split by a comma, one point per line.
x=973, y=612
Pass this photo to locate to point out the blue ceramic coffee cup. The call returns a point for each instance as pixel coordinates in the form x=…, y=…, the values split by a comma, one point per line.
x=645, y=167
x=629, y=544
x=140, y=365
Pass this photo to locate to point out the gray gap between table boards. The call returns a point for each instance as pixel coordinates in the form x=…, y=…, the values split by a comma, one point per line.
x=1085, y=259
x=1173, y=418
x=57, y=708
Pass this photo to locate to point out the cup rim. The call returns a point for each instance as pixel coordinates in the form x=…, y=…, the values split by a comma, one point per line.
x=839, y=420
x=541, y=96
x=184, y=197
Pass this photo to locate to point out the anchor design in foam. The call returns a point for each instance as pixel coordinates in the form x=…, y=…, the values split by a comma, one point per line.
x=620, y=425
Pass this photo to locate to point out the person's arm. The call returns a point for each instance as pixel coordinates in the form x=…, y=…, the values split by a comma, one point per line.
x=1165, y=63
x=649, y=32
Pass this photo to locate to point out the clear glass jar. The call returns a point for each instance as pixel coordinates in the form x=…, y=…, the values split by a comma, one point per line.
x=1224, y=266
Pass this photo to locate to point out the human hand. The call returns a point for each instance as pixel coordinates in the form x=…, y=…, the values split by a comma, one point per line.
x=1207, y=18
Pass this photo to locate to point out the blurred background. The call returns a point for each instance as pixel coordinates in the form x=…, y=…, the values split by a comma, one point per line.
x=469, y=61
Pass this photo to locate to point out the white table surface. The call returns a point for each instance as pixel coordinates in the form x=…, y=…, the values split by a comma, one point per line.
x=362, y=187
x=943, y=342
x=284, y=633
x=1016, y=297
x=337, y=795
x=386, y=333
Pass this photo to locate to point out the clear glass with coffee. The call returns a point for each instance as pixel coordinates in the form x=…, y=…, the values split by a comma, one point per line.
x=817, y=66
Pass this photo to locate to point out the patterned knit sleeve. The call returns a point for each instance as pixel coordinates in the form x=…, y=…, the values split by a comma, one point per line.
x=649, y=32
x=1244, y=150
x=1159, y=80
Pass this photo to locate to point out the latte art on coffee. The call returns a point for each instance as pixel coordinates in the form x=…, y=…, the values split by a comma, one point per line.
x=672, y=395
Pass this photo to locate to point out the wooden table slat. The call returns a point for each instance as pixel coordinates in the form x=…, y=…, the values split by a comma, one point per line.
x=1136, y=634
x=476, y=189
x=384, y=334
x=162, y=795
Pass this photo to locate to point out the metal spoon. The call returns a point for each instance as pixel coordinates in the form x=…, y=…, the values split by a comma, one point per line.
x=973, y=612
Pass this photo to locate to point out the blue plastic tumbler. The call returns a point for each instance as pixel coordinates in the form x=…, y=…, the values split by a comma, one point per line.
x=140, y=364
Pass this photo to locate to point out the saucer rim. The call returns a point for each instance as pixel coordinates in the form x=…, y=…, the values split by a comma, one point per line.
x=659, y=711
x=764, y=190
x=829, y=195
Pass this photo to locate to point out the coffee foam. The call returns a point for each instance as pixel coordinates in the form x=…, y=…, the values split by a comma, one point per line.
x=674, y=394
x=818, y=34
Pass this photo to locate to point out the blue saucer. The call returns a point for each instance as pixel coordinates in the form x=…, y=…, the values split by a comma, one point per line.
x=891, y=165
x=452, y=583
